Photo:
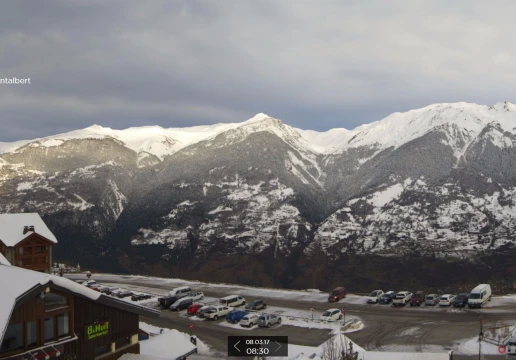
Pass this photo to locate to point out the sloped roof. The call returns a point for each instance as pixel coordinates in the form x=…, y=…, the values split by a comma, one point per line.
x=4, y=261
x=11, y=228
x=169, y=345
x=17, y=282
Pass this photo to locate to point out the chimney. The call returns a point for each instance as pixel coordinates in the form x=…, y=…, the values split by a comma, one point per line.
x=31, y=228
x=25, y=230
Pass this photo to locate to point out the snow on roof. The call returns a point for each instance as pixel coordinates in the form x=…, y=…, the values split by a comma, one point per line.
x=4, y=261
x=11, y=228
x=25, y=281
x=169, y=345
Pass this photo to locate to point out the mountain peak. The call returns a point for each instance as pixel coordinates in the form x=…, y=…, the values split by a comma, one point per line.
x=504, y=106
x=257, y=118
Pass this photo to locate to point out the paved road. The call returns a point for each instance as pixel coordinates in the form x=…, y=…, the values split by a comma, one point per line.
x=386, y=328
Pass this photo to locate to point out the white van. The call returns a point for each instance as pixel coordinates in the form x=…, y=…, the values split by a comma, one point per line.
x=511, y=346
x=180, y=291
x=479, y=295
x=232, y=300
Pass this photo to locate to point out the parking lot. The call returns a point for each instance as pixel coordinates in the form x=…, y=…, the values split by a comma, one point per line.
x=385, y=327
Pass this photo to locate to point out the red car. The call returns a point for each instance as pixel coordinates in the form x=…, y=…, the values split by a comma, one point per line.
x=337, y=294
x=192, y=309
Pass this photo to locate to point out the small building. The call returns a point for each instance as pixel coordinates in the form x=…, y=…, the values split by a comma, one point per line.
x=26, y=241
x=44, y=316
x=169, y=345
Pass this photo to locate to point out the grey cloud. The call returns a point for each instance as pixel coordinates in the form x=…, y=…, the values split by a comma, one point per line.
x=315, y=65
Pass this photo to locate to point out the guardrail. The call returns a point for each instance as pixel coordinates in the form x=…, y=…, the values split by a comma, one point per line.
x=504, y=341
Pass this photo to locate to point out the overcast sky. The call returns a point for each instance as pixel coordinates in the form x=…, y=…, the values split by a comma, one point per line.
x=313, y=64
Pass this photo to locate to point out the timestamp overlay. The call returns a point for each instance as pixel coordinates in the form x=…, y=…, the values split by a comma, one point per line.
x=251, y=346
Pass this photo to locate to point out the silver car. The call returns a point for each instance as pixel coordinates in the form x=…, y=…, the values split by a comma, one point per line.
x=267, y=320
x=432, y=299
x=249, y=320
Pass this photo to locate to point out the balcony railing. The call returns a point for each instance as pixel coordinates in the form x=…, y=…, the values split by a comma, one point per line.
x=65, y=349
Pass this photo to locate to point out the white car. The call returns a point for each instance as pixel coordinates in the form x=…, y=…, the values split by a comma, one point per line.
x=232, y=300
x=249, y=320
x=374, y=297
x=217, y=312
x=196, y=295
x=446, y=299
x=331, y=315
x=402, y=298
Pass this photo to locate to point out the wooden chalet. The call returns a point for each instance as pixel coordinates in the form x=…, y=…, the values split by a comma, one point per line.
x=26, y=241
x=44, y=316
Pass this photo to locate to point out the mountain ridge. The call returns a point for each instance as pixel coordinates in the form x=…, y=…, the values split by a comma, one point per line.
x=160, y=141
x=438, y=181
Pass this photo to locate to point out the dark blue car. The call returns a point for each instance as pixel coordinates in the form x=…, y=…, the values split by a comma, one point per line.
x=236, y=315
x=387, y=297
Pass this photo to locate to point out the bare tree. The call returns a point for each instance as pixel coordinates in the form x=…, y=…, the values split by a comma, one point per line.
x=339, y=348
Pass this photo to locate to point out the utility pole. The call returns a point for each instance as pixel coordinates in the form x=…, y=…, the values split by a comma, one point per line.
x=480, y=338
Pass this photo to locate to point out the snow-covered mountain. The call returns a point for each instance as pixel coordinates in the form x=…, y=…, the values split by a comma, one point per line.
x=433, y=180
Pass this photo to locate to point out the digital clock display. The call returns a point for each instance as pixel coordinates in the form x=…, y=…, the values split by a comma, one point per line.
x=250, y=346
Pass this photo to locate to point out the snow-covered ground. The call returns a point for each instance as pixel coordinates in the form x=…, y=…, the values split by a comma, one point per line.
x=340, y=342
x=308, y=295
x=291, y=317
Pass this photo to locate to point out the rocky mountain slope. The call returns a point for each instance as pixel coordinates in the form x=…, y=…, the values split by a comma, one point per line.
x=437, y=181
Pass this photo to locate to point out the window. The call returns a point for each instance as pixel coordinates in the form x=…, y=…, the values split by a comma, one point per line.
x=40, y=248
x=62, y=325
x=20, y=250
x=54, y=301
x=32, y=334
x=49, y=329
x=13, y=338
x=103, y=349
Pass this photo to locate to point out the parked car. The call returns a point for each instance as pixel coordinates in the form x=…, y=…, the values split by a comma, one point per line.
x=249, y=320
x=331, y=315
x=113, y=291
x=337, y=294
x=387, y=297
x=402, y=298
x=181, y=304
x=479, y=296
x=103, y=289
x=446, y=300
x=236, y=315
x=417, y=298
x=232, y=300
x=461, y=300
x=217, y=312
x=256, y=305
x=93, y=287
x=267, y=320
x=374, y=297
x=180, y=292
x=138, y=297
x=201, y=312
x=88, y=282
x=192, y=309
x=124, y=293
x=432, y=299
x=196, y=295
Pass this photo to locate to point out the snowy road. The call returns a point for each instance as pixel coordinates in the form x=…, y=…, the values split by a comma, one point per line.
x=386, y=328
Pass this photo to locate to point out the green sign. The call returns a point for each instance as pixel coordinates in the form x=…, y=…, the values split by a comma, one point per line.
x=96, y=330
